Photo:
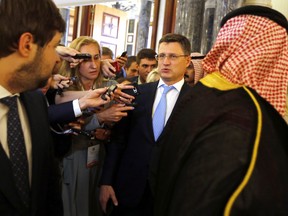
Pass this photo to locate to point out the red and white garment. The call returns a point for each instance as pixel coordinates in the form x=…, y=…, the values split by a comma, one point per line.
x=253, y=51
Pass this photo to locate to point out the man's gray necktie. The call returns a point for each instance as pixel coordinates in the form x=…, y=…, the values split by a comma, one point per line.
x=17, y=149
x=160, y=113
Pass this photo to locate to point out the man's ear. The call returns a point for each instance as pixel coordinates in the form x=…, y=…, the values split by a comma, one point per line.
x=188, y=61
x=25, y=44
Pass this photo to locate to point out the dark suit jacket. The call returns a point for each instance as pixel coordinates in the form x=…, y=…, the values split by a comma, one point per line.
x=205, y=152
x=60, y=113
x=128, y=155
x=45, y=186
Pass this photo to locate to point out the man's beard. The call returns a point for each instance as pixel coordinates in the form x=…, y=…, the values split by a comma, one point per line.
x=27, y=77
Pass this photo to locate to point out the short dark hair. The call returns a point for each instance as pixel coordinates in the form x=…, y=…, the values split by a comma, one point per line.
x=129, y=61
x=107, y=51
x=178, y=38
x=145, y=54
x=40, y=18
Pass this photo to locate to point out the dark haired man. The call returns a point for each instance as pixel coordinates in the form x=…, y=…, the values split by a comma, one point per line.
x=224, y=151
x=125, y=172
x=106, y=53
x=131, y=70
x=131, y=67
x=30, y=31
x=146, y=63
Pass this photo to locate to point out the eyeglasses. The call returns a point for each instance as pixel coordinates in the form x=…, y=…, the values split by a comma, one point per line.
x=171, y=57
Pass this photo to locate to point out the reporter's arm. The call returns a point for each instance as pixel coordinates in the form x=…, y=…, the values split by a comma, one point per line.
x=69, y=96
x=114, y=113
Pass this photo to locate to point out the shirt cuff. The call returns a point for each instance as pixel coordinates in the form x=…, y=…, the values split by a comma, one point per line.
x=76, y=108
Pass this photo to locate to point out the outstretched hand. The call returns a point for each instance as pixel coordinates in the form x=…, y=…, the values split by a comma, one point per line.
x=93, y=98
x=121, y=61
x=59, y=81
x=122, y=97
x=114, y=113
x=107, y=68
x=67, y=53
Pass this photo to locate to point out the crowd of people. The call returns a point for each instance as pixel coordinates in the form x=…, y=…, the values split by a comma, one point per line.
x=172, y=132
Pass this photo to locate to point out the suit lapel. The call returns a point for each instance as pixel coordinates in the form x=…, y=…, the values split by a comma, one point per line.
x=150, y=92
x=183, y=91
x=7, y=185
x=34, y=111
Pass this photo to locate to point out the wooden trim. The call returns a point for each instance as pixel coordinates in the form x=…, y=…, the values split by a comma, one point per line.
x=85, y=21
x=155, y=24
x=75, y=24
x=174, y=16
x=169, y=16
x=91, y=19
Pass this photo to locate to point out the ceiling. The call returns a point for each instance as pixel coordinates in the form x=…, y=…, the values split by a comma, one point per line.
x=132, y=7
x=69, y=3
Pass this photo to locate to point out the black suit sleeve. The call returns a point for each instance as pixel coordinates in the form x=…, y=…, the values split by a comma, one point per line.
x=61, y=113
x=114, y=151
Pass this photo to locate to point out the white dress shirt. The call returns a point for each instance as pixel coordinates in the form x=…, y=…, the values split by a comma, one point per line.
x=24, y=123
x=172, y=97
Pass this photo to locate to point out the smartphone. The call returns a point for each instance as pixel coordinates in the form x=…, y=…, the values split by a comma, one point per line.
x=116, y=66
x=73, y=79
x=82, y=56
x=82, y=132
x=124, y=54
x=134, y=91
x=111, y=89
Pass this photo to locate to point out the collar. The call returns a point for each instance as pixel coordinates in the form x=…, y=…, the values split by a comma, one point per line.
x=5, y=93
x=139, y=80
x=215, y=80
x=177, y=85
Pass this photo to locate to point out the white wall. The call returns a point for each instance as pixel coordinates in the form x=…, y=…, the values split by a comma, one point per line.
x=281, y=5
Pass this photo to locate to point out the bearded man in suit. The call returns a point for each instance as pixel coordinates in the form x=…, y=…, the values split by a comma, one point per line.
x=30, y=32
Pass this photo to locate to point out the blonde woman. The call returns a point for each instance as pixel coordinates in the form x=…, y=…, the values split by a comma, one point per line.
x=82, y=164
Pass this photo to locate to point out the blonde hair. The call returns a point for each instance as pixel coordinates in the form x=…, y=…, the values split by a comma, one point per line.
x=153, y=76
x=66, y=70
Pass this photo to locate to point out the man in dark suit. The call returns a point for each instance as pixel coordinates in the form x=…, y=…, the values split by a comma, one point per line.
x=125, y=172
x=27, y=58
